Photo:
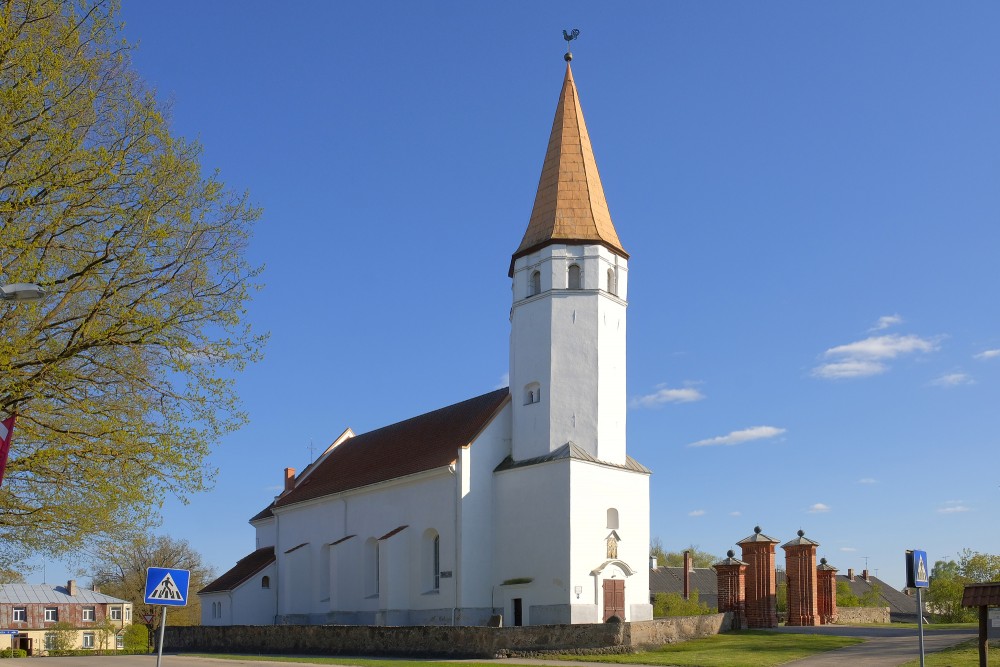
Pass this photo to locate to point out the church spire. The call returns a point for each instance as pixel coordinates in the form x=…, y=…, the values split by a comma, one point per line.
x=569, y=206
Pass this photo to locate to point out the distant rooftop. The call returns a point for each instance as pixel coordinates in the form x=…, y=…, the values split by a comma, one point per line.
x=49, y=593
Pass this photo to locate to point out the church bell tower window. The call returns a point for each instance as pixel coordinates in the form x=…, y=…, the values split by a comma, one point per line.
x=535, y=284
x=532, y=393
x=573, y=277
x=612, y=282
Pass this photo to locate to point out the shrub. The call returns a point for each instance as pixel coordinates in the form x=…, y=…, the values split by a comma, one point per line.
x=674, y=604
x=13, y=653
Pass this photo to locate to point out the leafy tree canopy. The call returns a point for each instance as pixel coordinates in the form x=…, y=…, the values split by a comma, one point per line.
x=119, y=568
x=122, y=377
x=948, y=580
x=676, y=558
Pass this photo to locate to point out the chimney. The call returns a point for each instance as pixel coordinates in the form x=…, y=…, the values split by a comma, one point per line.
x=71, y=587
x=96, y=588
x=864, y=575
x=289, y=479
x=687, y=575
x=652, y=562
x=850, y=574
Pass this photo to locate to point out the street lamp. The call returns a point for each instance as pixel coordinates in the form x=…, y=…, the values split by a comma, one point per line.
x=21, y=292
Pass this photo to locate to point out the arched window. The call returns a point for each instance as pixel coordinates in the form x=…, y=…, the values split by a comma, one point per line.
x=612, y=282
x=535, y=287
x=532, y=393
x=612, y=518
x=431, y=560
x=574, y=276
x=265, y=582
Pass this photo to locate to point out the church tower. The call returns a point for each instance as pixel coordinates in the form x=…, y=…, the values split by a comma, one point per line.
x=570, y=283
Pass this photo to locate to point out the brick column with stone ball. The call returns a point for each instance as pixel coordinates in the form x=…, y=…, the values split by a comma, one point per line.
x=761, y=602
x=731, y=575
x=826, y=592
x=800, y=573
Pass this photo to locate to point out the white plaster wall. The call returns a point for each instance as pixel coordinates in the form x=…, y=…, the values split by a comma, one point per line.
x=532, y=536
x=265, y=532
x=475, y=470
x=336, y=574
x=572, y=342
x=248, y=604
x=594, y=489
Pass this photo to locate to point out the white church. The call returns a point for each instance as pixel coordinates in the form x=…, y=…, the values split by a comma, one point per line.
x=522, y=502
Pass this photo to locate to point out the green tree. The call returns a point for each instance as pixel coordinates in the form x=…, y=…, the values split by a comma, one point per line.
x=137, y=638
x=63, y=637
x=674, y=604
x=676, y=558
x=948, y=580
x=122, y=378
x=120, y=571
x=846, y=597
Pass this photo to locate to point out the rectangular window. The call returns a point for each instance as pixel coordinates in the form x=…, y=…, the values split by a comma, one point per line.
x=119, y=641
x=115, y=613
x=51, y=614
x=50, y=641
x=128, y=614
x=437, y=562
x=20, y=614
x=88, y=640
x=88, y=613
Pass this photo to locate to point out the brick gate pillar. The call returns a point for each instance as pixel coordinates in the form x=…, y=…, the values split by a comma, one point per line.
x=761, y=603
x=826, y=592
x=800, y=570
x=731, y=575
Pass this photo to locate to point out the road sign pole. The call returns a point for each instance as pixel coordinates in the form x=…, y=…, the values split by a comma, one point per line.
x=163, y=627
x=920, y=624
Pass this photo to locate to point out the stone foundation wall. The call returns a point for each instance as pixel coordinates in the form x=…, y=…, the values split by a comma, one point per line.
x=862, y=615
x=443, y=641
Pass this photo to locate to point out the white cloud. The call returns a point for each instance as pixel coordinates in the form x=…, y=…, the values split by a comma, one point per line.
x=737, y=513
x=696, y=513
x=988, y=354
x=504, y=381
x=739, y=437
x=818, y=508
x=866, y=357
x=953, y=507
x=886, y=321
x=664, y=394
x=850, y=369
x=952, y=380
x=848, y=549
x=867, y=480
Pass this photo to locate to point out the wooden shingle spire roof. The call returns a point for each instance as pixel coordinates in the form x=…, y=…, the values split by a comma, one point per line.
x=569, y=205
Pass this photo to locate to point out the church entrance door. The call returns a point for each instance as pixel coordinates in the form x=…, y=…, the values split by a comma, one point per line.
x=614, y=598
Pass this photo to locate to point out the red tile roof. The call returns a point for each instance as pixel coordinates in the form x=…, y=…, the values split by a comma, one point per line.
x=416, y=445
x=247, y=567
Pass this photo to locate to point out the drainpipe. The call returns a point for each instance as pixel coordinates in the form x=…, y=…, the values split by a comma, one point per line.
x=456, y=573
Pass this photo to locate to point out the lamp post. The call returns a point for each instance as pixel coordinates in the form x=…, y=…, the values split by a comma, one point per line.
x=21, y=292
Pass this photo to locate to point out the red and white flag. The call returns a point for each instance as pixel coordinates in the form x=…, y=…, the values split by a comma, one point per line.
x=6, y=431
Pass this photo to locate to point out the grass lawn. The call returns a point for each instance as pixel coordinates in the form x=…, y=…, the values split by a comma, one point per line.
x=749, y=648
x=965, y=654
x=363, y=662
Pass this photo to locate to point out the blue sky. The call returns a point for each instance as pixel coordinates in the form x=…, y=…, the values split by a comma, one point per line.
x=809, y=193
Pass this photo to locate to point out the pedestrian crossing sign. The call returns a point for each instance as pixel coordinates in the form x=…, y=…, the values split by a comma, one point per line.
x=167, y=586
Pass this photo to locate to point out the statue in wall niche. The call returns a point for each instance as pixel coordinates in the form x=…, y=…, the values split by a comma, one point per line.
x=612, y=546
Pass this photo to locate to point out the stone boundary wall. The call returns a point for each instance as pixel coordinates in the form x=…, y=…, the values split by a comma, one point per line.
x=442, y=641
x=862, y=615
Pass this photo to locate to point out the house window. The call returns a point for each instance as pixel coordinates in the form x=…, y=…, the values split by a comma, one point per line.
x=50, y=641
x=612, y=518
x=51, y=614
x=128, y=614
x=612, y=282
x=265, y=582
x=115, y=613
x=532, y=393
x=88, y=613
x=535, y=285
x=119, y=641
x=20, y=614
x=88, y=640
x=574, y=276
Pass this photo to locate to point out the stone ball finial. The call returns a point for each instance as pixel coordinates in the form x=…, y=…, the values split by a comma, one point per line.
x=567, y=56
x=730, y=553
x=822, y=561
x=801, y=532
x=756, y=529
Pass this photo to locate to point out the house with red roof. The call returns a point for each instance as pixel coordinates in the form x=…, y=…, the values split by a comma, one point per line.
x=520, y=505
